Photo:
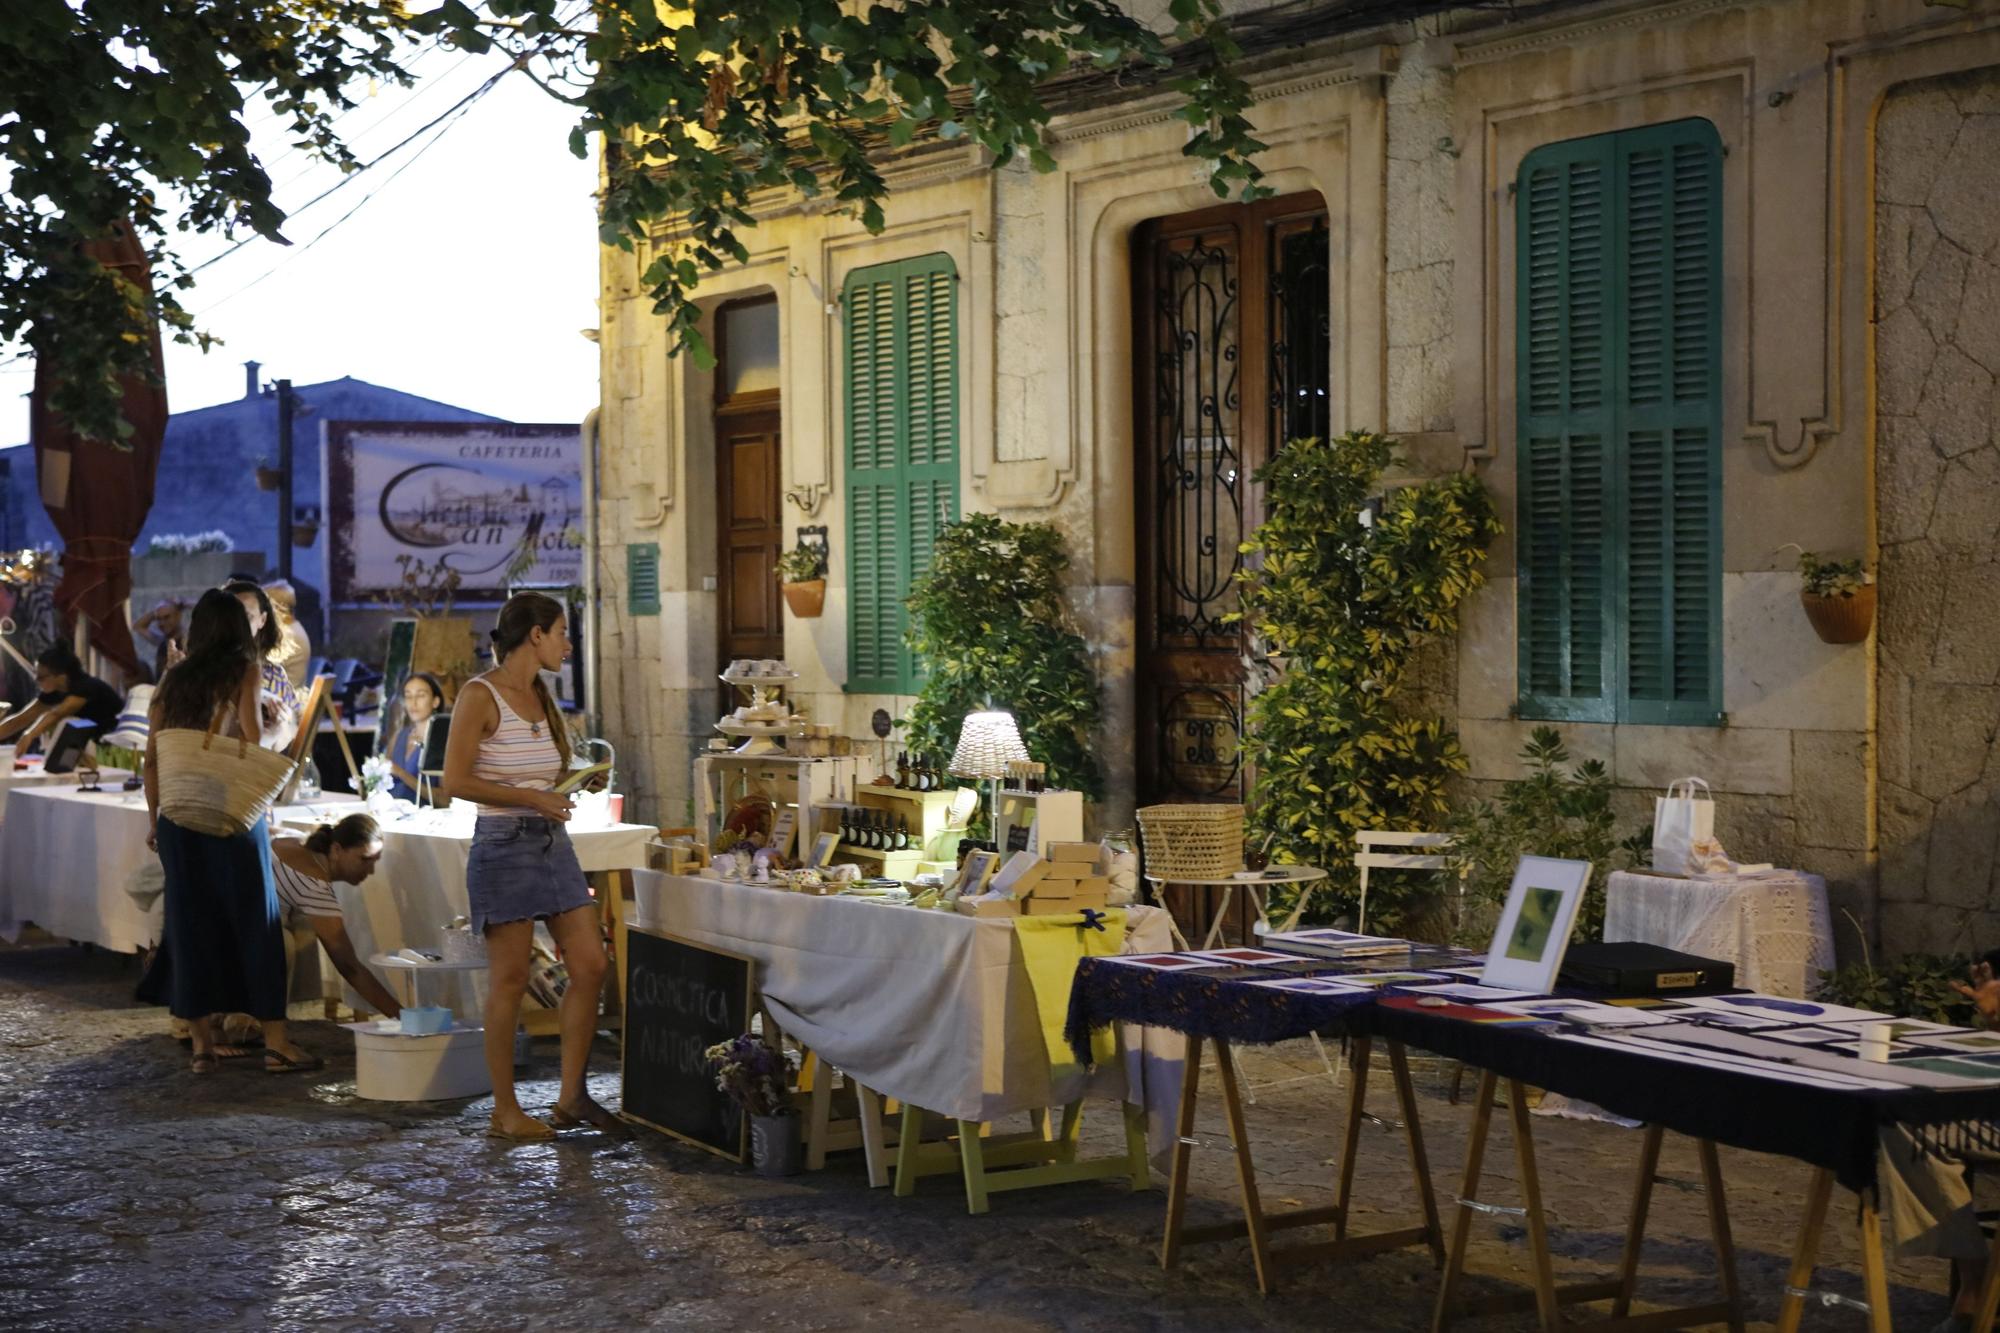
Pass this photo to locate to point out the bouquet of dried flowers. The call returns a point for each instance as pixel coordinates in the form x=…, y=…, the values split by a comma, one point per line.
x=752, y=1074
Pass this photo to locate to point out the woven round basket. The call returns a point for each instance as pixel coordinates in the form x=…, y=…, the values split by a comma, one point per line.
x=1192, y=841
x=221, y=790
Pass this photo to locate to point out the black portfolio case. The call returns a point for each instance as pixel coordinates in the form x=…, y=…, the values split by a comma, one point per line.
x=1631, y=968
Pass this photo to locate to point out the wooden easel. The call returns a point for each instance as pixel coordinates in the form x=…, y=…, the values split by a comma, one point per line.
x=1256, y=1223
x=1546, y=1298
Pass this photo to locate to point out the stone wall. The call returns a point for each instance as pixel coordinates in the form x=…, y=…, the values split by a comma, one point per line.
x=1937, y=308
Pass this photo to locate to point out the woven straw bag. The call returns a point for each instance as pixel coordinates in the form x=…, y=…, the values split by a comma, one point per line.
x=214, y=789
x=1190, y=842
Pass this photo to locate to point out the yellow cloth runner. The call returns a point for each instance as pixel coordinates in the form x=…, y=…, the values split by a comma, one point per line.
x=1051, y=947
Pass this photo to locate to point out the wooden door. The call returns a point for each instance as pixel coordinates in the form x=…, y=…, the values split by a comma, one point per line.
x=750, y=527
x=1232, y=357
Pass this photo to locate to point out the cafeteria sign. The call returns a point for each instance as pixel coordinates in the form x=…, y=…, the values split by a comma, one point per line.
x=481, y=498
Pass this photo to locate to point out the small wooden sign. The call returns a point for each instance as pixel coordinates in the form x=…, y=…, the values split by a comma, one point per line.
x=680, y=999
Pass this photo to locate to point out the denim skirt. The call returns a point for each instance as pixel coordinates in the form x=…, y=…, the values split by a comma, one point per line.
x=522, y=868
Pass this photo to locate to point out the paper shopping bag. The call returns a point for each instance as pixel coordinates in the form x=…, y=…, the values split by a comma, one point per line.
x=1683, y=828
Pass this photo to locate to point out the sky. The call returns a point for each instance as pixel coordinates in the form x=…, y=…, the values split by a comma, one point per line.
x=467, y=278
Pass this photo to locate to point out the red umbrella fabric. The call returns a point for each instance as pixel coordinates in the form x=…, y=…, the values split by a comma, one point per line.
x=98, y=492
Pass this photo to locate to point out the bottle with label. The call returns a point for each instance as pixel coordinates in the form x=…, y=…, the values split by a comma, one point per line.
x=929, y=777
x=876, y=840
x=847, y=824
x=903, y=770
x=902, y=834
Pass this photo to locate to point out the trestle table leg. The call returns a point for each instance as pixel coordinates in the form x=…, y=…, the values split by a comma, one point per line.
x=1531, y=1189
x=1246, y=1170
x=1177, y=1178
x=1635, y=1221
x=1350, y=1144
x=1792, y=1308
x=1718, y=1225
x=1874, y=1271
x=1468, y=1189
x=1420, y=1162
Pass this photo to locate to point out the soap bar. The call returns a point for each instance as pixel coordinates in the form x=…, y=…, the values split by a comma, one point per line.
x=1073, y=851
x=986, y=907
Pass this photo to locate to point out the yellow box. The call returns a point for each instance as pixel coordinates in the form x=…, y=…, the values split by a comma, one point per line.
x=1073, y=851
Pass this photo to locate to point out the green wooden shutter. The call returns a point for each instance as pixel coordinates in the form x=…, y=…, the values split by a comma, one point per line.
x=902, y=453
x=1565, y=328
x=1670, y=386
x=1619, y=479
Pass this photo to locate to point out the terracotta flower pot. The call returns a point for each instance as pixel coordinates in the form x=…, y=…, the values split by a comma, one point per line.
x=268, y=478
x=806, y=599
x=303, y=534
x=1841, y=619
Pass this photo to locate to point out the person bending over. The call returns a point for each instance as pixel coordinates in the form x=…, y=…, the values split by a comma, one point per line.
x=305, y=871
x=66, y=690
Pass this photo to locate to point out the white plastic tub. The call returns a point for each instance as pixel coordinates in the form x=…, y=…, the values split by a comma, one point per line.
x=389, y=1067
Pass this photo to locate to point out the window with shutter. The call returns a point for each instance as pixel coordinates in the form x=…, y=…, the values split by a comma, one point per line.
x=1619, y=471
x=901, y=352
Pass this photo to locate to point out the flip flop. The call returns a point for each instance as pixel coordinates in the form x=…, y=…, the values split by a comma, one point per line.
x=594, y=1115
x=539, y=1133
x=206, y=1063
x=277, y=1062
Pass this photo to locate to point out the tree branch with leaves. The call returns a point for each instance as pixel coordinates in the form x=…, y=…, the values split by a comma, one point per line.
x=129, y=109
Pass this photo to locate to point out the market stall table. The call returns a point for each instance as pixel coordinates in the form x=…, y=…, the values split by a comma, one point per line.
x=931, y=1008
x=76, y=864
x=33, y=775
x=1774, y=927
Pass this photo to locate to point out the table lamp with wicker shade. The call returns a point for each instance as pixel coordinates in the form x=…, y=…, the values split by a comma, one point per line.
x=987, y=743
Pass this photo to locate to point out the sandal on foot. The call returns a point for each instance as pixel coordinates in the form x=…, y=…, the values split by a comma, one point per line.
x=533, y=1132
x=277, y=1062
x=205, y=1063
x=593, y=1115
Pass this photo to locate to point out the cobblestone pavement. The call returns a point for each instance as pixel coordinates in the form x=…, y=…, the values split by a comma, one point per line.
x=133, y=1194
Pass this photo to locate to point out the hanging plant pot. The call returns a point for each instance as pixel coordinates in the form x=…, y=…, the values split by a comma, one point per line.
x=267, y=478
x=304, y=534
x=806, y=599
x=1841, y=619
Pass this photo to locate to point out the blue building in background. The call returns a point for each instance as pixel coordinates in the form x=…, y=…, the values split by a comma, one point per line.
x=209, y=459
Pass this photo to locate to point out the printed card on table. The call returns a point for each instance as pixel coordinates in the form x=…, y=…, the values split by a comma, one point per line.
x=1163, y=962
x=1312, y=986
x=1242, y=957
x=1465, y=990
x=1781, y=1009
x=1391, y=978
x=1969, y=1043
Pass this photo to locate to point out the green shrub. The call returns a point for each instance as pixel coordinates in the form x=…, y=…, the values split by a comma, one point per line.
x=1343, y=602
x=989, y=621
x=1917, y=985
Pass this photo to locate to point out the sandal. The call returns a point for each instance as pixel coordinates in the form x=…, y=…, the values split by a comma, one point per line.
x=277, y=1062
x=534, y=1132
x=593, y=1115
x=205, y=1062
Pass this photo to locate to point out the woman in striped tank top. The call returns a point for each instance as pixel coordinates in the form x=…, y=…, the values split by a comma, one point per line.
x=507, y=748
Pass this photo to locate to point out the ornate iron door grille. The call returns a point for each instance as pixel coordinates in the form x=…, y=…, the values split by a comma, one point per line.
x=1200, y=281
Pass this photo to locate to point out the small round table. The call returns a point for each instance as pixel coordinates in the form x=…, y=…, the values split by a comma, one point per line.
x=1263, y=880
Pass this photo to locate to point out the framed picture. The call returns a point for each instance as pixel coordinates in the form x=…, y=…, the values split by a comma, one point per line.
x=782, y=827
x=1533, y=932
x=972, y=876
x=824, y=847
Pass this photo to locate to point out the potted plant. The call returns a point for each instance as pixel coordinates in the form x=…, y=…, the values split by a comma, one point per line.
x=802, y=578
x=754, y=1076
x=1839, y=597
x=187, y=560
x=268, y=477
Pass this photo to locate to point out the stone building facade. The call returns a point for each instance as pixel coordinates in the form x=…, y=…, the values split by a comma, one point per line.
x=1854, y=147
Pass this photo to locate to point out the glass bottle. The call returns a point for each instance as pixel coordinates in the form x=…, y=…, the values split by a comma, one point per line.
x=876, y=840
x=847, y=824
x=930, y=776
x=903, y=770
x=902, y=834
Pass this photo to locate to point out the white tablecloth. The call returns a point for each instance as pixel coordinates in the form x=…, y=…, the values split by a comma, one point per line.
x=33, y=776
x=419, y=885
x=77, y=865
x=932, y=1008
x=1776, y=928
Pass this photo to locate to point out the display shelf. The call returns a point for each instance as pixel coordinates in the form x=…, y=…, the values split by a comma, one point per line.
x=1047, y=816
x=926, y=812
x=896, y=865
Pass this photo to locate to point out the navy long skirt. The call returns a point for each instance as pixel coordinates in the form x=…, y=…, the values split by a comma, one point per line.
x=224, y=928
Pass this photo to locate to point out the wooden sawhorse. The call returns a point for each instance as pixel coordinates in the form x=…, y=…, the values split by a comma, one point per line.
x=1546, y=1297
x=991, y=1163
x=1256, y=1223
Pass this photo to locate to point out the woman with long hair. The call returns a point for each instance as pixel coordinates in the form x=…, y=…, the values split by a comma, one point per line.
x=223, y=927
x=423, y=696
x=507, y=749
x=281, y=702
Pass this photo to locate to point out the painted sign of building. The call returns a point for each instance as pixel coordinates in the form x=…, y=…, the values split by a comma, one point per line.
x=500, y=504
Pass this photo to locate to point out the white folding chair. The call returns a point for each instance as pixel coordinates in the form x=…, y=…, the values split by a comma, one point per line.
x=1368, y=859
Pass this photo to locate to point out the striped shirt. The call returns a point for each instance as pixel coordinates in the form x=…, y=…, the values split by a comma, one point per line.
x=306, y=894
x=519, y=753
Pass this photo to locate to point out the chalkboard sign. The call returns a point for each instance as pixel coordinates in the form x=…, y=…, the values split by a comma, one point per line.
x=680, y=999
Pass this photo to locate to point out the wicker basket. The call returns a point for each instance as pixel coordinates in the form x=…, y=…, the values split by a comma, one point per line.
x=221, y=790
x=1184, y=842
